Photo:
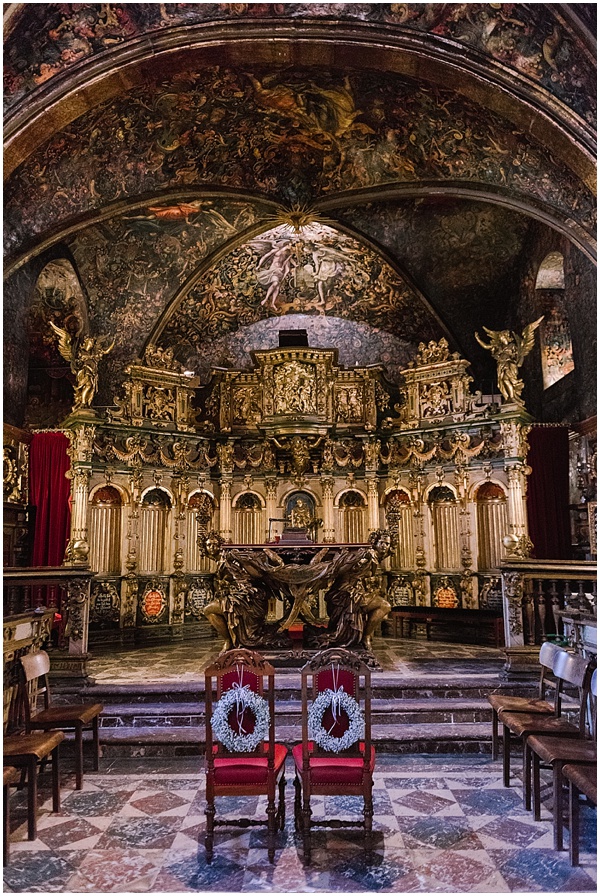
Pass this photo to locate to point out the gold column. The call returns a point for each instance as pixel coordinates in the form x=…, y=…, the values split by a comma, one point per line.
x=78, y=548
x=372, y=504
x=517, y=493
x=225, y=510
x=328, y=516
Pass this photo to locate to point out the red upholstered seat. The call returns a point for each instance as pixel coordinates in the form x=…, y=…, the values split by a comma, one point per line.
x=334, y=769
x=251, y=770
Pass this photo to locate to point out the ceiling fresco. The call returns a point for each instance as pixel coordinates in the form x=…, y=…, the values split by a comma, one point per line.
x=316, y=271
x=534, y=40
x=292, y=136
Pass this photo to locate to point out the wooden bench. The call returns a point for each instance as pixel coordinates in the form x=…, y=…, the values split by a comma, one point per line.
x=477, y=623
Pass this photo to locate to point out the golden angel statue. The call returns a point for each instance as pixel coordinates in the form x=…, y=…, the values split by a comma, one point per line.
x=83, y=355
x=509, y=350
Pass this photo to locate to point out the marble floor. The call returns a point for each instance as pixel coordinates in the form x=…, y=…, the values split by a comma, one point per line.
x=443, y=824
x=183, y=661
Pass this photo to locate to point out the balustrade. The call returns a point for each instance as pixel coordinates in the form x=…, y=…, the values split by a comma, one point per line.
x=545, y=599
x=50, y=591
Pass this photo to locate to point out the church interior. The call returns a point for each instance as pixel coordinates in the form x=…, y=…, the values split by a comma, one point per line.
x=299, y=361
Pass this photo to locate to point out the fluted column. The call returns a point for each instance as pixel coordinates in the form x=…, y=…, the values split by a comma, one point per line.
x=517, y=493
x=372, y=504
x=78, y=548
x=225, y=510
x=328, y=516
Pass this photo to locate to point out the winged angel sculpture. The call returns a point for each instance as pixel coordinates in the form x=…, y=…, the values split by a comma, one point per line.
x=83, y=354
x=509, y=350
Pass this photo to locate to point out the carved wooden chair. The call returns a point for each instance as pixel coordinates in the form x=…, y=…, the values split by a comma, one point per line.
x=555, y=751
x=568, y=669
x=324, y=763
x=42, y=715
x=583, y=779
x=236, y=763
x=538, y=705
x=28, y=751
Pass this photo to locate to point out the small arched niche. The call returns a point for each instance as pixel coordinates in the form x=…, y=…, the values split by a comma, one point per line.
x=248, y=526
x=154, y=523
x=353, y=508
x=444, y=521
x=492, y=525
x=105, y=530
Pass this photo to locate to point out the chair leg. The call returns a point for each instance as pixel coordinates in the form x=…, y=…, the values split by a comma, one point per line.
x=78, y=757
x=6, y=828
x=271, y=827
x=306, y=813
x=281, y=809
x=209, y=839
x=297, y=803
x=527, y=775
x=96, y=739
x=368, y=815
x=506, y=755
x=574, y=823
x=536, y=786
x=55, y=781
x=494, y=734
x=558, y=805
x=31, y=800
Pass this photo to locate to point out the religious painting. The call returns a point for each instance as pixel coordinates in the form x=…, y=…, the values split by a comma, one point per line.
x=294, y=136
x=300, y=510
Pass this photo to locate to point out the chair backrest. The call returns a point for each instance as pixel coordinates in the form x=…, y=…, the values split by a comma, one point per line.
x=333, y=669
x=548, y=654
x=34, y=687
x=236, y=669
x=575, y=670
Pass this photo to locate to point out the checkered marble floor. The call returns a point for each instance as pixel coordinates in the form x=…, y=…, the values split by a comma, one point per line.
x=443, y=824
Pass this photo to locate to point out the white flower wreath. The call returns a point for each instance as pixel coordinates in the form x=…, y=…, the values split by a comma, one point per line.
x=240, y=699
x=336, y=700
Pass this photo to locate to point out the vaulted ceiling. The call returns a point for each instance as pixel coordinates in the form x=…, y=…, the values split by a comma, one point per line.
x=379, y=174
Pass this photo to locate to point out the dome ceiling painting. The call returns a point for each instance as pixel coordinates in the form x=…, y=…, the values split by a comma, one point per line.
x=295, y=137
x=202, y=197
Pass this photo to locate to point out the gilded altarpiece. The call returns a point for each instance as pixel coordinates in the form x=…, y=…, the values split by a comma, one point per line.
x=180, y=460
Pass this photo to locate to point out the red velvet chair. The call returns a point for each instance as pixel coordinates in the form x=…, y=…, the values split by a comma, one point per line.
x=253, y=769
x=321, y=769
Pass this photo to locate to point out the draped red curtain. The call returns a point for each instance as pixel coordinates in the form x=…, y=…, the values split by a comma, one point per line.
x=49, y=491
x=548, y=493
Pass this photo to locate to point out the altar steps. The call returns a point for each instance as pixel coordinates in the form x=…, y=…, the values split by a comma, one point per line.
x=447, y=717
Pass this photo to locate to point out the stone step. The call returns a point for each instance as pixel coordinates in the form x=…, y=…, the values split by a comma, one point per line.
x=409, y=738
x=403, y=711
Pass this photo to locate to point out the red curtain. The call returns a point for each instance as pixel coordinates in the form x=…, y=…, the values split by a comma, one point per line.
x=548, y=493
x=49, y=492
